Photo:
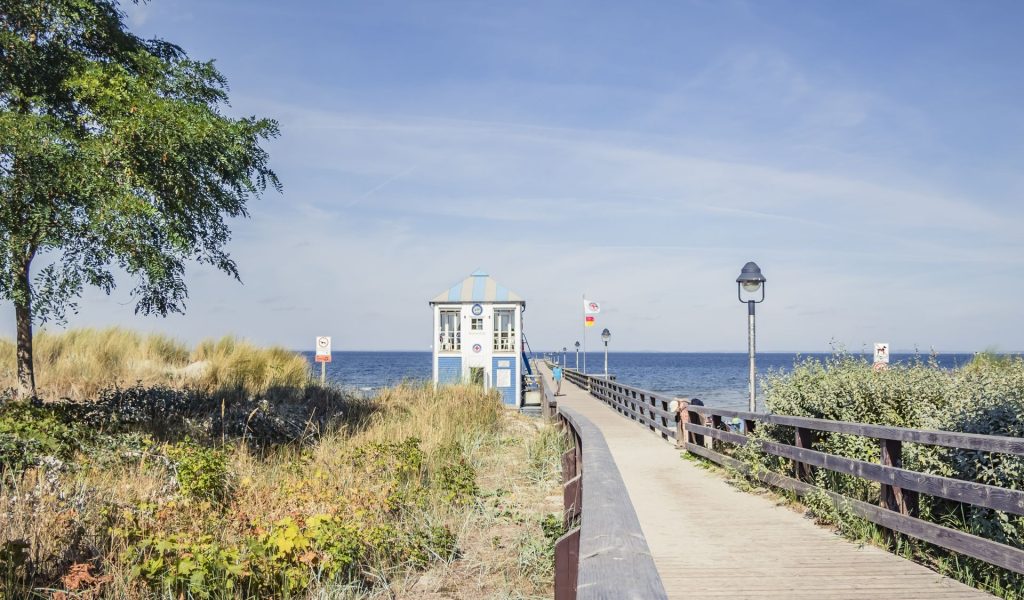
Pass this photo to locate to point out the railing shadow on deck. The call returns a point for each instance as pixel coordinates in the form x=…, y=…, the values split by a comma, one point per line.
x=703, y=431
x=603, y=554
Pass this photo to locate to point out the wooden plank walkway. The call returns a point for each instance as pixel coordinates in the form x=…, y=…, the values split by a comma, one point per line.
x=710, y=540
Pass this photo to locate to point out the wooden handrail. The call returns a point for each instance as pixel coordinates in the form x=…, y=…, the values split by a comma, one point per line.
x=604, y=553
x=949, y=439
x=648, y=408
x=698, y=428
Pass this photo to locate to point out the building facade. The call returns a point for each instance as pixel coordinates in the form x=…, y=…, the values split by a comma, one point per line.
x=478, y=325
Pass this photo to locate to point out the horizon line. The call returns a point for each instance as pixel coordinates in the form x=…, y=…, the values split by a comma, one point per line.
x=896, y=351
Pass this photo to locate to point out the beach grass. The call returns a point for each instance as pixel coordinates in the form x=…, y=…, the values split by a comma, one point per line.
x=79, y=363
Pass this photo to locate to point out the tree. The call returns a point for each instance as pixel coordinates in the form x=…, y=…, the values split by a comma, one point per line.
x=115, y=155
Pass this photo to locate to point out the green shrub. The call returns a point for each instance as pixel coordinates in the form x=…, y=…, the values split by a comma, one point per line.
x=29, y=432
x=400, y=460
x=18, y=453
x=553, y=526
x=202, y=473
x=281, y=560
x=339, y=544
x=433, y=542
x=200, y=568
x=457, y=482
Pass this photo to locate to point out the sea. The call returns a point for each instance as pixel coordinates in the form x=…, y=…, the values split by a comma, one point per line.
x=717, y=378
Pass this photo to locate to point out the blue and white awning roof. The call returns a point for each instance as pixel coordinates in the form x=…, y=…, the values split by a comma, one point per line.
x=478, y=287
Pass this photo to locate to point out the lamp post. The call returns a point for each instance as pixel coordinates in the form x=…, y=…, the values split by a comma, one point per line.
x=606, y=335
x=563, y=356
x=577, y=355
x=751, y=281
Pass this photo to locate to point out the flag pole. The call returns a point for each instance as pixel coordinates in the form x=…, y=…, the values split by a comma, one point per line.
x=584, y=333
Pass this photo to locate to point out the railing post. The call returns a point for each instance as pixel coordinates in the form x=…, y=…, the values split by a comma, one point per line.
x=716, y=423
x=682, y=418
x=569, y=465
x=707, y=421
x=804, y=439
x=892, y=497
x=567, y=565
x=572, y=493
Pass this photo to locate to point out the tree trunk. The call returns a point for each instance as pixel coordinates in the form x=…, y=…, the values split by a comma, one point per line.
x=23, y=317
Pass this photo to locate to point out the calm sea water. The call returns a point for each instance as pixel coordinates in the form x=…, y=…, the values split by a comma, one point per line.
x=720, y=379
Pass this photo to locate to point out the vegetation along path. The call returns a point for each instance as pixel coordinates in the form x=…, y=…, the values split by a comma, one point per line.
x=227, y=473
x=711, y=540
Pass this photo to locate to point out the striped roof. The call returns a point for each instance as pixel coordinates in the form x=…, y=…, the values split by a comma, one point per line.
x=478, y=287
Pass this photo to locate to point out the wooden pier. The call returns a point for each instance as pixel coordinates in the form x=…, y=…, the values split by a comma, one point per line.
x=711, y=540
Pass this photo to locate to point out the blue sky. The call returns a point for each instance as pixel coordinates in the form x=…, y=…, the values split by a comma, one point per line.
x=867, y=155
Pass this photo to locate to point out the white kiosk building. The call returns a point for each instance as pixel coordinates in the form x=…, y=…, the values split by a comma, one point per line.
x=478, y=326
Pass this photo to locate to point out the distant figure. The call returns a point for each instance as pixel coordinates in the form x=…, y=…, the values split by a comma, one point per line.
x=557, y=374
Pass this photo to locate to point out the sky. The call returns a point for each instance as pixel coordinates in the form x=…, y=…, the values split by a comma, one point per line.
x=868, y=156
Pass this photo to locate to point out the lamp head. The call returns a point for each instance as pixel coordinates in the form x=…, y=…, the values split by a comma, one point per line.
x=751, y=280
x=577, y=345
x=605, y=335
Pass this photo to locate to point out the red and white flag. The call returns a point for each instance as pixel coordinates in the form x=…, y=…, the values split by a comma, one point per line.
x=591, y=308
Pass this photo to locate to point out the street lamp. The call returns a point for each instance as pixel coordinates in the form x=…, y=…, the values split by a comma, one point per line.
x=750, y=281
x=606, y=335
x=577, y=355
x=563, y=356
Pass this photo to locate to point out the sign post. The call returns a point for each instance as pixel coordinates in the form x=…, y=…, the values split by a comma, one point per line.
x=323, y=356
x=881, y=356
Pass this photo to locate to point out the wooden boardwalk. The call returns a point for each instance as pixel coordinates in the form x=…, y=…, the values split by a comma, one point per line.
x=710, y=540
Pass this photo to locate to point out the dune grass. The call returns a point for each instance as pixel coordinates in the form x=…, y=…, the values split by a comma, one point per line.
x=78, y=364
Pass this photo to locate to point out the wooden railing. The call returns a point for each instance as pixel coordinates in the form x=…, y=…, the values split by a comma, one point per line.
x=650, y=409
x=703, y=431
x=899, y=487
x=603, y=553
